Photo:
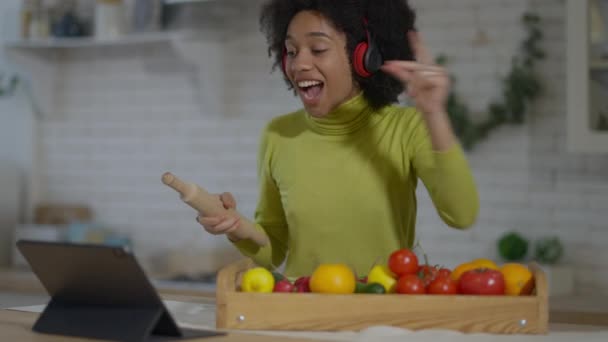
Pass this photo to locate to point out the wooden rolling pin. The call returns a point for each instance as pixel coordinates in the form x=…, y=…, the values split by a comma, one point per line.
x=205, y=203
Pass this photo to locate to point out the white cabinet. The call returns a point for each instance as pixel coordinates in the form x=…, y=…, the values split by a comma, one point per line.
x=587, y=75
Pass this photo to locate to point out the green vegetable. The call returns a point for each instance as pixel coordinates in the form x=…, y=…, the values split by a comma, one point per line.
x=548, y=250
x=512, y=247
x=360, y=287
x=371, y=288
x=375, y=288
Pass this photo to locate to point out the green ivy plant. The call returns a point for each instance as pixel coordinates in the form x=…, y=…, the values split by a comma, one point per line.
x=521, y=87
x=548, y=250
x=7, y=85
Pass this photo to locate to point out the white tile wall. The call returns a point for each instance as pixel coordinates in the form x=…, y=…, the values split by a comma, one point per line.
x=127, y=115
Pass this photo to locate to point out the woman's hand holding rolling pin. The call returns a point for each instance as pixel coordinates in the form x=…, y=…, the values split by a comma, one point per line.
x=224, y=224
x=217, y=213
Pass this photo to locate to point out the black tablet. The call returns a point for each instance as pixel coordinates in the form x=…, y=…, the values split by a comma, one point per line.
x=100, y=291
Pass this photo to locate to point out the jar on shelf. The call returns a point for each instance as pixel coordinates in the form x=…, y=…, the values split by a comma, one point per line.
x=39, y=24
x=109, y=19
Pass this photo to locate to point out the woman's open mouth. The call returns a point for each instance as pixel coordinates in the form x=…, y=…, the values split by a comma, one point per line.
x=310, y=91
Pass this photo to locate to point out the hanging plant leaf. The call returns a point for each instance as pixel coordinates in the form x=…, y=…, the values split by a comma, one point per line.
x=521, y=86
x=548, y=250
x=7, y=88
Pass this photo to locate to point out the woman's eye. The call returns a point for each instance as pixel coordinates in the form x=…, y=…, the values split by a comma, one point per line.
x=291, y=53
x=318, y=51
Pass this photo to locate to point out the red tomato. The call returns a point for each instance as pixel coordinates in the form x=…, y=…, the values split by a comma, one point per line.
x=443, y=285
x=302, y=284
x=482, y=281
x=428, y=273
x=444, y=272
x=403, y=261
x=283, y=286
x=410, y=284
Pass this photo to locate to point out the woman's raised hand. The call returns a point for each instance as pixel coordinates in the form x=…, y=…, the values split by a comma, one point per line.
x=426, y=83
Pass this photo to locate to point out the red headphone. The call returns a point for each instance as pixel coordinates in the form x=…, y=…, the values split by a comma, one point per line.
x=366, y=57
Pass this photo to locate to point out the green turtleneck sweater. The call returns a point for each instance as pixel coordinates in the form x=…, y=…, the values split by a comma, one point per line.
x=341, y=189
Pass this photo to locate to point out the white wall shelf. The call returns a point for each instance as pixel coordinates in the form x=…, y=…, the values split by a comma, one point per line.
x=87, y=42
x=41, y=58
x=587, y=77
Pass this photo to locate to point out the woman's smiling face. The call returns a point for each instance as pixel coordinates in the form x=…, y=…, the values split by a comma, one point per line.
x=317, y=63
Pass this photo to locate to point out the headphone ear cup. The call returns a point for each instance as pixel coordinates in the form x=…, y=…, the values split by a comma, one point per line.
x=373, y=59
x=359, y=57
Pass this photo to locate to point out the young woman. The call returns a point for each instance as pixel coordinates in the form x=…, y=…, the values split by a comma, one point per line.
x=338, y=177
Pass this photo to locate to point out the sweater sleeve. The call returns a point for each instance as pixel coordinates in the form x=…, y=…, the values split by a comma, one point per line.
x=269, y=214
x=446, y=176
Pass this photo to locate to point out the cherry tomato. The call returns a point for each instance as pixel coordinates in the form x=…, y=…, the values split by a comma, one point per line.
x=482, y=281
x=403, y=261
x=428, y=273
x=410, y=284
x=302, y=284
x=444, y=272
x=283, y=286
x=443, y=285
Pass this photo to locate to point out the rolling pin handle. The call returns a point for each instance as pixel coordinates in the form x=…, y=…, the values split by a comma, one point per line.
x=168, y=178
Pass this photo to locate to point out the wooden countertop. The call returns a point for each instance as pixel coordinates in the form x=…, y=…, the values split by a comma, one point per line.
x=19, y=281
x=17, y=326
x=25, y=282
x=578, y=310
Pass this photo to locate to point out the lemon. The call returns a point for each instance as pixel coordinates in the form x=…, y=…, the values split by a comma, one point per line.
x=257, y=279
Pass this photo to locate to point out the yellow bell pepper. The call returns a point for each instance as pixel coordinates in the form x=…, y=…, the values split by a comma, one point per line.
x=382, y=275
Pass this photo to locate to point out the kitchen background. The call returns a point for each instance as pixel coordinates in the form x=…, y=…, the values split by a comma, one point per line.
x=97, y=125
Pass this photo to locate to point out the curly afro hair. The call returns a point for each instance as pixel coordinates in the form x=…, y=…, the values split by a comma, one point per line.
x=388, y=20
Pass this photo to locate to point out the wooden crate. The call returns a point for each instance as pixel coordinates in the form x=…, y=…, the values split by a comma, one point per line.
x=325, y=312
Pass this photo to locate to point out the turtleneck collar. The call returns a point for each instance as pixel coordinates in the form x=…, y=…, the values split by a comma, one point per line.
x=345, y=119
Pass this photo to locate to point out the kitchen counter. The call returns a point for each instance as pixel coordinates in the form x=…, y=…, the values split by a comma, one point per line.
x=20, y=281
x=569, y=309
x=568, y=315
x=25, y=282
x=579, y=310
x=16, y=326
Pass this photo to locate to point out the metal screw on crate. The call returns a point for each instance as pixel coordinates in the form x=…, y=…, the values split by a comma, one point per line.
x=523, y=323
x=240, y=318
